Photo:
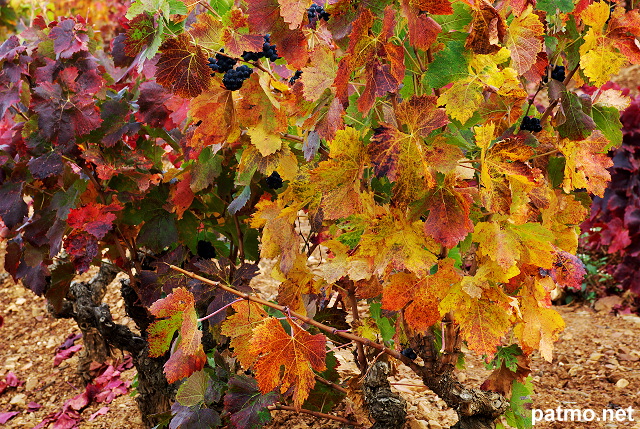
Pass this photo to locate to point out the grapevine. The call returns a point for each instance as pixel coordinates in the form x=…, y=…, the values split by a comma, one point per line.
x=433, y=156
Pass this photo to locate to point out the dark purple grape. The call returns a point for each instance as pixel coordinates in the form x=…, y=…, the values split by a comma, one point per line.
x=274, y=181
x=408, y=352
x=295, y=77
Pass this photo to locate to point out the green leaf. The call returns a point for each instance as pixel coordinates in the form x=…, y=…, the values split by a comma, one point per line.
x=177, y=7
x=457, y=21
x=448, y=65
x=555, y=168
x=519, y=412
x=574, y=123
x=553, y=6
x=192, y=391
x=607, y=120
x=205, y=170
x=386, y=328
x=159, y=232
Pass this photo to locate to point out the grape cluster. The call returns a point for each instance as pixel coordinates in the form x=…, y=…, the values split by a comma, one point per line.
x=274, y=181
x=315, y=13
x=232, y=79
x=557, y=73
x=408, y=352
x=295, y=77
x=531, y=124
x=221, y=63
x=268, y=51
x=206, y=250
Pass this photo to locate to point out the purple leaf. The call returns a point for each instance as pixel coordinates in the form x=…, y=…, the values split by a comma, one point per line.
x=12, y=208
x=66, y=354
x=193, y=418
x=69, y=341
x=5, y=417
x=245, y=403
x=33, y=406
x=101, y=412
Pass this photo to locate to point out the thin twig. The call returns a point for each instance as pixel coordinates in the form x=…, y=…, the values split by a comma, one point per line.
x=331, y=384
x=314, y=413
x=411, y=364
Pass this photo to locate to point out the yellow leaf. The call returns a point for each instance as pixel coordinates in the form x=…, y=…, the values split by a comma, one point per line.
x=462, y=99
x=596, y=14
x=524, y=40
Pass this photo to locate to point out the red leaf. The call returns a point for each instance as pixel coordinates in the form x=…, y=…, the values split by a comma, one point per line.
x=568, y=270
x=67, y=40
x=96, y=219
x=5, y=417
x=182, y=195
x=83, y=248
x=182, y=67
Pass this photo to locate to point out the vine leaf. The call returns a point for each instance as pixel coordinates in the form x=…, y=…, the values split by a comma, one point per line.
x=338, y=179
x=265, y=18
x=141, y=33
x=487, y=30
x=192, y=392
x=390, y=148
x=539, y=327
x=501, y=379
x=69, y=37
x=12, y=207
x=94, y=218
x=572, y=120
x=367, y=52
x=449, y=208
x=298, y=281
x=390, y=240
x=292, y=11
x=246, y=404
x=586, y=163
x=279, y=236
x=424, y=30
x=182, y=67
x=177, y=312
x=568, y=271
x=524, y=40
x=216, y=109
x=420, y=296
x=240, y=326
x=605, y=51
x=287, y=360
x=483, y=322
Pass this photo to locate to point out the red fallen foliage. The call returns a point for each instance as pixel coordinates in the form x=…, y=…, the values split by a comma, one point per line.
x=104, y=389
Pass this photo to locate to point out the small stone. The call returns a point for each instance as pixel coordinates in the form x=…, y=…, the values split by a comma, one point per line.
x=595, y=357
x=21, y=301
x=627, y=357
x=19, y=400
x=622, y=383
x=31, y=383
x=434, y=425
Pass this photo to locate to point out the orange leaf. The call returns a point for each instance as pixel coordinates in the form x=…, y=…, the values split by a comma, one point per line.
x=524, y=40
x=338, y=179
x=487, y=30
x=239, y=327
x=586, y=163
x=287, y=361
x=217, y=112
x=182, y=67
x=421, y=296
x=177, y=312
x=423, y=30
x=482, y=322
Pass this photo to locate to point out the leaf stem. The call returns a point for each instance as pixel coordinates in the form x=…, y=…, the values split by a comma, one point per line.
x=240, y=238
x=545, y=154
x=202, y=319
x=314, y=413
x=331, y=384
